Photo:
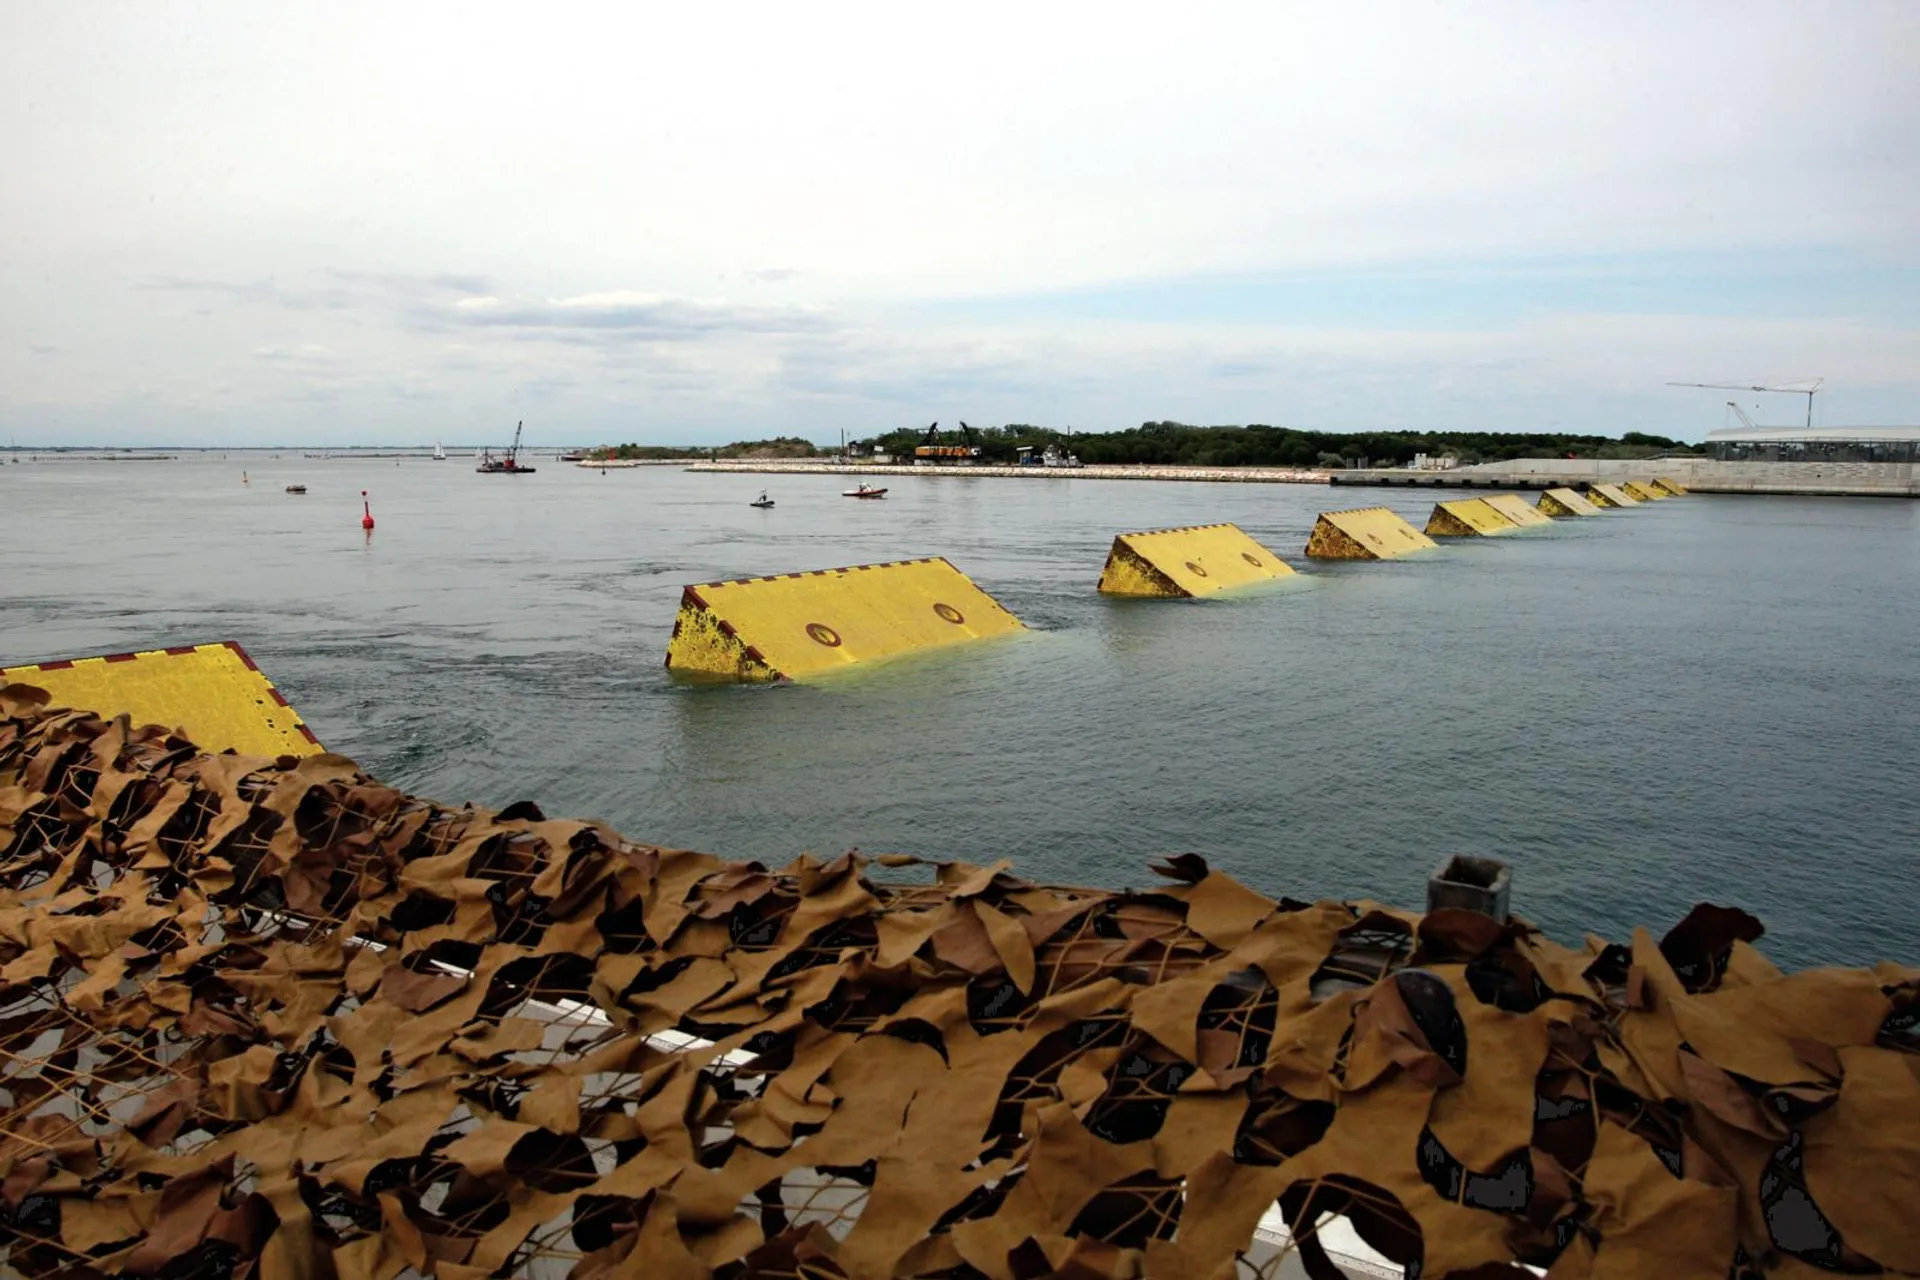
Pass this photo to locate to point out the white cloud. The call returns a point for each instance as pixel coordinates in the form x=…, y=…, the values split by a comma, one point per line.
x=627, y=312
x=588, y=204
x=306, y=353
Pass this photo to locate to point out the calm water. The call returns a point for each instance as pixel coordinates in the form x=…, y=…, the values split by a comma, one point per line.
x=1708, y=698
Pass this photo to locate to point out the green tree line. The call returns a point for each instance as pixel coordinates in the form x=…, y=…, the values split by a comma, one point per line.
x=1258, y=445
x=777, y=447
x=1181, y=444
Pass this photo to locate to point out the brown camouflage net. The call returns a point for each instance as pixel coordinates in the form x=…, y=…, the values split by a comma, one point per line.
x=273, y=1018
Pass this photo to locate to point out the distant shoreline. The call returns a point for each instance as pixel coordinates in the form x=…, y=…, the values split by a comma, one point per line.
x=57, y=455
x=1104, y=471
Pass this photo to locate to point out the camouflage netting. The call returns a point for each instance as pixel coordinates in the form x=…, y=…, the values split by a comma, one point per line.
x=273, y=1018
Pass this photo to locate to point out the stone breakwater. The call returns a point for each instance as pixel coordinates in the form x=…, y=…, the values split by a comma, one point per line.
x=625, y=464
x=1230, y=475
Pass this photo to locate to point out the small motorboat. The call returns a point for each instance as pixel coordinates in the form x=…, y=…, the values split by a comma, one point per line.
x=765, y=503
x=296, y=488
x=864, y=491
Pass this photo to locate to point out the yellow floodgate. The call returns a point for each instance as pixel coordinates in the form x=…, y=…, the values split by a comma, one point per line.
x=1194, y=561
x=211, y=691
x=1610, y=495
x=1366, y=533
x=1565, y=502
x=1640, y=491
x=1515, y=508
x=795, y=625
x=1467, y=518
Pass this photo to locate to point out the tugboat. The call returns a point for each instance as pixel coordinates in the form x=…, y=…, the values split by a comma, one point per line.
x=507, y=466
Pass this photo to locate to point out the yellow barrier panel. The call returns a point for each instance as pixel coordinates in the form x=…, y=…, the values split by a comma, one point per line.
x=1640, y=492
x=1673, y=487
x=1609, y=495
x=1467, y=518
x=1515, y=508
x=212, y=692
x=1367, y=533
x=1565, y=502
x=795, y=625
x=1195, y=561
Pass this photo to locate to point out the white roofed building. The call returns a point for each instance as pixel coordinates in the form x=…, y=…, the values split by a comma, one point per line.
x=1815, y=444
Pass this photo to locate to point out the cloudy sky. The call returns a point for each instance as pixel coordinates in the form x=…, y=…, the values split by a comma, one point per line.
x=341, y=223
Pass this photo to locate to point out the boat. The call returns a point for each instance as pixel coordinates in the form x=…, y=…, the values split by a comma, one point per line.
x=296, y=488
x=573, y=457
x=508, y=465
x=765, y=503
x=439, y=452
x=864, y=491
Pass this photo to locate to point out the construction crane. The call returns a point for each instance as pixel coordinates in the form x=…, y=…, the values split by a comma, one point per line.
x=1803, y=387
x=1741, y=414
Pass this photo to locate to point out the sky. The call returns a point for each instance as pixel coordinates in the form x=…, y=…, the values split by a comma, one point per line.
x=243, y=223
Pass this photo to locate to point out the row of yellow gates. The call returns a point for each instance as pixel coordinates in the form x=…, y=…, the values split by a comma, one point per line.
x=799, y=625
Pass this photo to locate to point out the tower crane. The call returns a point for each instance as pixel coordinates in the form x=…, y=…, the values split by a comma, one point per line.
x=1803, y=387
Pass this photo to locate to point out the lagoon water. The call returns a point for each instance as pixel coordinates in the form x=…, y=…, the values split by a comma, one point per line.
x=1701, y=699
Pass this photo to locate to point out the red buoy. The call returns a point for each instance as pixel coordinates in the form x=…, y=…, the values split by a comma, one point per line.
x=366, y=519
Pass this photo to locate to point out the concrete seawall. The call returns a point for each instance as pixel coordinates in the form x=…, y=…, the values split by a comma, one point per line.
x=1699, y=475
x=888, y=474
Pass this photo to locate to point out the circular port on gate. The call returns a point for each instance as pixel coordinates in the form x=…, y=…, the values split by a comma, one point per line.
x=950, y=613
x=824, y=634
x=1250, y=558
x=1196, y=568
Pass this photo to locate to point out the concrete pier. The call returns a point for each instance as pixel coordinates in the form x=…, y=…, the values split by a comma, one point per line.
x=1697, y=475
x=1222, y=475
